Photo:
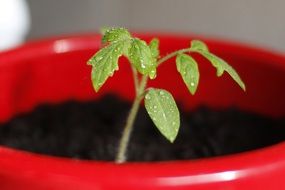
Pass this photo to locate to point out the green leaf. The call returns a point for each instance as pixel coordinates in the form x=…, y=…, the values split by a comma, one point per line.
x=188, y=68
x=163, y=111
x=141, y=57
x=222, y=66
x=197, y=45
x=154, y=47
x=105, y=62
x=116, y=34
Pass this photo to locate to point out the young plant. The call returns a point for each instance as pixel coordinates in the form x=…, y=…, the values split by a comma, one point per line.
x=144, y=59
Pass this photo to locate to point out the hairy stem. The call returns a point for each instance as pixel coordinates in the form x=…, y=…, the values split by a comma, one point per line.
x=124, y=141
x=136, y=79
x=140, y=89
x=172, y=54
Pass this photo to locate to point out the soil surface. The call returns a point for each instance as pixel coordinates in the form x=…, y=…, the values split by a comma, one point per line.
x=91, y=130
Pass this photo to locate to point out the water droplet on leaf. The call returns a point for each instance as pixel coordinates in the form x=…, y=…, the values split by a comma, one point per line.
x=99, y=58
x=147, y=97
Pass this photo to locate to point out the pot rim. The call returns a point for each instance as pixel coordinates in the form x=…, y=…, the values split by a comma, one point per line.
x=222, y=168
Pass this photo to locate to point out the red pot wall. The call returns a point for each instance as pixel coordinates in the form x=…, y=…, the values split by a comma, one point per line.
x=54, y=70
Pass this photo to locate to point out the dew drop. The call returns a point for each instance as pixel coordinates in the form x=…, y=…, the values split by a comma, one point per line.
x=161, y=93
x=99, y=58
x=111, y=73
x=152, y=74
x=192, y=84
x=147, y=97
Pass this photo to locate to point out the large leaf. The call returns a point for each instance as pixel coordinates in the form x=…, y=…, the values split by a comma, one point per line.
x=188, y=69
x=115, y=34
x=163, y=111
x=141, y=57
x=105, y=62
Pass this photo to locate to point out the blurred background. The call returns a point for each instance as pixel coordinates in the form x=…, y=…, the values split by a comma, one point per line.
x=258, y=22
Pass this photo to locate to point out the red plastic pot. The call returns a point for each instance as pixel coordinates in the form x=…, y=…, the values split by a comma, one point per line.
x=54, y=70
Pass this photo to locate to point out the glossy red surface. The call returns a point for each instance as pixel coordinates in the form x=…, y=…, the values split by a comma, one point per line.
x=54, y=70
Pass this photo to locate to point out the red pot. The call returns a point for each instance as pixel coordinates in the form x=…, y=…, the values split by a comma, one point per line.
x=55, y=70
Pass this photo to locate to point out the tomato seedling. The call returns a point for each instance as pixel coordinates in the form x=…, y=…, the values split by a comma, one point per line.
x=144, y=59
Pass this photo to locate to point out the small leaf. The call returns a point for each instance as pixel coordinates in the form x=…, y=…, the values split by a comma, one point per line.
x=105, y=62
x=154, y=45
x=141, y=57
x=163, y=111
x=222, y=66
x=115, y=34
x=197, y=45
x=188, y=68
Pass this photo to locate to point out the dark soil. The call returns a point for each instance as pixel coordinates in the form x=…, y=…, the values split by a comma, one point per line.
x=91, y=130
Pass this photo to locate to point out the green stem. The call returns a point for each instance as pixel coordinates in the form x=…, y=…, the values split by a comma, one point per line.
x=124, y=141
x=136, y=79
x=173, y=54
x=140, y=89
